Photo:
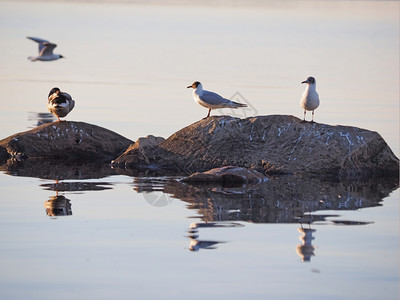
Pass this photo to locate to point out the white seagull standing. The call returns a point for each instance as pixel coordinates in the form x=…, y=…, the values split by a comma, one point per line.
x=59, y=103
x=310, y=99
x=45, y=50
x=211, y=100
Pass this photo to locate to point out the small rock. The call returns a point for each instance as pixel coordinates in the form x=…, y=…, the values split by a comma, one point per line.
x=228, y=174
x=135, y=155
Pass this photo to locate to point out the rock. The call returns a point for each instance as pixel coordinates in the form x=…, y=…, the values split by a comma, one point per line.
x=275, y=144
x=135, y=155
x=72, y=141
x=226, y=175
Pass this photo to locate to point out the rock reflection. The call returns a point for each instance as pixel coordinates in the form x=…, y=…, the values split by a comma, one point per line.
x=281, y=200
x=58, y=206
x=345, y=222
x=149, y=185
x=152, y=184
x=77, y=186
x=306, y=249
x=56, y=169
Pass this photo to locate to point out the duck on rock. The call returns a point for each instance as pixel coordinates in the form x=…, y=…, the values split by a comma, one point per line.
x=59, y=103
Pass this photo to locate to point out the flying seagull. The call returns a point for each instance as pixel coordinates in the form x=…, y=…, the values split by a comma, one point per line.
x=211, y=100
x=45, y=50
x=59, y=103
x=310, y=99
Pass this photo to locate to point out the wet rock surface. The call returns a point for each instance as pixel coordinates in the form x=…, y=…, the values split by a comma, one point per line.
x=226, y=175
x=71, y=141
x=276, y=144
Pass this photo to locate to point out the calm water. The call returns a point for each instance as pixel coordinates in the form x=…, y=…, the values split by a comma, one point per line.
x=98, y=233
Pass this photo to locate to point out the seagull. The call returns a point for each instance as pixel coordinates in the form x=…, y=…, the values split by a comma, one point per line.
x=309, y=99
x=45, y=50
x=211, y=100
x=59, y=103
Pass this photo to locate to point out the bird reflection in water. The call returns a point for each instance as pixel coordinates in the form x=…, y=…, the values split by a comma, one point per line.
x=196, y=244
x=306, y=249
x=61, y=206
x=58, y=206
x=41, y=118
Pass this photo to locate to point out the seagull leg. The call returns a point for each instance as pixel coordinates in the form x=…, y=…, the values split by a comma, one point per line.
x=304, y=119
x=312, y=118
x=58, y=119
x=209, y=110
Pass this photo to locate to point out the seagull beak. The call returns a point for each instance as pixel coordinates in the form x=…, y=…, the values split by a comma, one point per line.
x=189, y=87
x=305, y=81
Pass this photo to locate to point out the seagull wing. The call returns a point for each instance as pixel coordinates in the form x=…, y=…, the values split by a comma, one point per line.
x=47, y=49
x=37, y=40
x=217, y=101
x=212, y=98
x=41, y=42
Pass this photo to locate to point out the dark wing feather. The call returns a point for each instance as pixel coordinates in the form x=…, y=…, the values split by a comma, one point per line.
x=40, y=41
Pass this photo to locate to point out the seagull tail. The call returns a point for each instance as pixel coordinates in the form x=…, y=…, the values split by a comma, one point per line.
x=239, y=104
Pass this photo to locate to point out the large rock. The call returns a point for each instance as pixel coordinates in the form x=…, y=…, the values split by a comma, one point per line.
x=72, y=141
x=275, y=144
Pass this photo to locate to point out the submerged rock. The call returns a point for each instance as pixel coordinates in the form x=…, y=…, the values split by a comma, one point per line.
x=72, y=141
x=226, y=175
x=275, y=144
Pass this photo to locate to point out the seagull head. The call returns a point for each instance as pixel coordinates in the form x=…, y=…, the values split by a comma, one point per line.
x=194, y=85
x=310, y=80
